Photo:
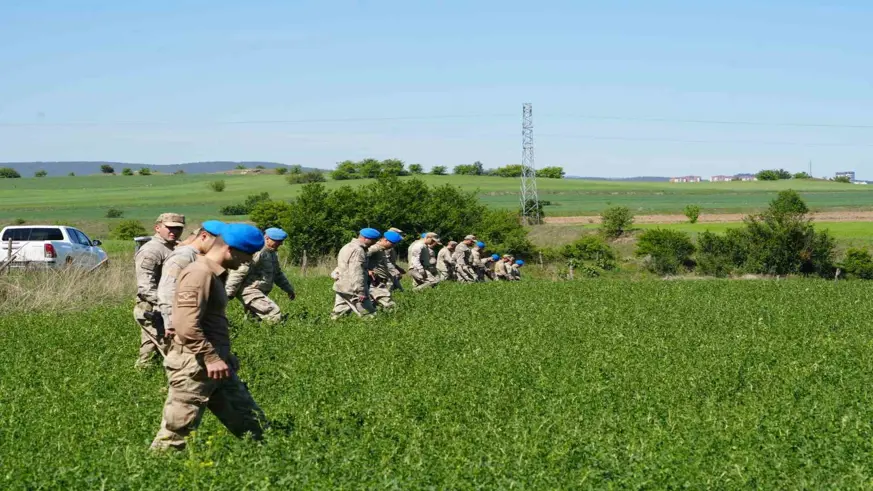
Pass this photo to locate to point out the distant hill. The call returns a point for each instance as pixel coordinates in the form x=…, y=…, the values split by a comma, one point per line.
x=83, y=168
x=633, y=179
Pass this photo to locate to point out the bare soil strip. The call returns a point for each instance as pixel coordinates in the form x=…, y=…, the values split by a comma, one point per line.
x=824, y=216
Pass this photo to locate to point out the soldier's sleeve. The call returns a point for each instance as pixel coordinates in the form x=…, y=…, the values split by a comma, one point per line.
x=189, y=307
x=280, y=278
x=235, y=280
x=147, y=265
x=357, y=266
x=167, y=289
x=415, y=258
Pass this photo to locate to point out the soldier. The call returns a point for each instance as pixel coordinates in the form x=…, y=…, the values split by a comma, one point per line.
x=419, y=262
x=381, y=278
x=254, y=282
x=396, y=271
x=503, y=268
x=478, y=260
x=445, y=262
x=351, y=283
x=148, y=261
x=185, y=253
x=432, y=259
x=516, y=271
x=201, y=370
x=491, y=268
x=464, y=271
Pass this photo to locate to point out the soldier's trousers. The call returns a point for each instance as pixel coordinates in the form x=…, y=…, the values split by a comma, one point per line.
x=423, y=279
x=446, y=276
x=343, y=303
x=144, y=313
x=191, y=392
x=262, y=306
x=465, y=275
x=381, y=295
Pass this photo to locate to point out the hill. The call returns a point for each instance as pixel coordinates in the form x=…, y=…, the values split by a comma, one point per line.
x=84, y=168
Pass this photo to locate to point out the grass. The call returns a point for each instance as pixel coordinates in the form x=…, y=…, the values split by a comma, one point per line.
x=84, y=200
x=586, y=384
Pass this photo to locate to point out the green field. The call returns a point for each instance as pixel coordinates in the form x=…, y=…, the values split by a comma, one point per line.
x=85, y=199
x=587, y=384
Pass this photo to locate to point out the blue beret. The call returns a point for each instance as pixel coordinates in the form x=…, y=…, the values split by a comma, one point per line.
x=243, y=237
x=495, y=257
x=480, y=244
x=370, y=233
x=276, y=233
x=393, y=237
x=423, y=235
x=520, y=262
x=214, y=227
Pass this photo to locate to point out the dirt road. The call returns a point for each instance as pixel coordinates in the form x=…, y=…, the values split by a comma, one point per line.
x=825, y=216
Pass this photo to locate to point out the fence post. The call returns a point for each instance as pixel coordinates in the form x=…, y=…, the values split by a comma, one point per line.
x=303, y=264
x=9, y=249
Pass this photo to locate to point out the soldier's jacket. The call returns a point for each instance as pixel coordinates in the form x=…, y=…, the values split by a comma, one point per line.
x=445, y=261
x=377, y=262
x=199, y=311
x=515, y=273
x=501, y=270
x=419, y=256
x=392, y=263
x=463, y=265
x=258, y=276
x=148, y=261
x=351, y=269
x=179, y=259
x=431, y=258
x=476, y=259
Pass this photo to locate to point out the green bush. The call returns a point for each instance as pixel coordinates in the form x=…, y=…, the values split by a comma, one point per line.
x=72, y=174
x=145, y=171
x=127, y=230
x=514, y=170
x=240, y=167
x=717, y=254
x=590, y=248
x=217, y=186
x=281, y=170
x=179, y=172
x=40, y=173
x=858, y=264
x=474, y=169
x=551, y=172
x=19, y=221
x=247, y=206
x=9, y=173
x=416, y=169
x=233, y=210
x=615, y=221
x=439, y=170
x=842, y=179
x=114, y=213
x=107, y=169
x=667, y=251
x=305, y=177
x=693, y=213
x=127, y=171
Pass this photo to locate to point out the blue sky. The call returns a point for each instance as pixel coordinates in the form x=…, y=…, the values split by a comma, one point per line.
x=442, y=83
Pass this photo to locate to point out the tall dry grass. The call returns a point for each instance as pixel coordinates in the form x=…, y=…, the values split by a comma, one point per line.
x=67, y=289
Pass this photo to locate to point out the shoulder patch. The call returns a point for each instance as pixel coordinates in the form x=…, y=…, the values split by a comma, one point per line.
x=186, y=298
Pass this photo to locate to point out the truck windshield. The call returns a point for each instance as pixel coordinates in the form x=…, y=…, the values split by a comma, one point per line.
x=32, y=233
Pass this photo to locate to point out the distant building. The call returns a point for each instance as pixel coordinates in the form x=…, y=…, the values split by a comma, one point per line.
x=686, y=179
x=737, y=177
x=745, y=177
x=850, y=174
x=721, y=178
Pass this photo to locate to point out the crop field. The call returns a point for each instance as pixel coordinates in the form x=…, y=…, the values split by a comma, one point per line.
x=86, y=198
x=585, y=384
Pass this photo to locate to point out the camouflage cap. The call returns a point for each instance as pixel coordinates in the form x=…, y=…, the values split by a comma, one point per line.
x=171, y=219
x=397, y=230
x=470, y=237
x=451, y=243
x=432, y=235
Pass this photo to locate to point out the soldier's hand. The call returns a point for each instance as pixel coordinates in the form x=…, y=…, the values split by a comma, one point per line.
x=217, y=370
x=170, y=333
x=292, y=295
x=362, y=298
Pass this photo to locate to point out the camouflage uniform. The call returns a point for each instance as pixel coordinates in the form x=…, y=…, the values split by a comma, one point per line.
x=478, y=263
x=383, y=282
x=178, y=260
x=419, y=266
x=352, y=281
x=515, y=273
x=445, y=265
x=201, y=338
x=255, y=281
x=148, y=262
x=464, y=271
x=396, y=272
x=501, y=270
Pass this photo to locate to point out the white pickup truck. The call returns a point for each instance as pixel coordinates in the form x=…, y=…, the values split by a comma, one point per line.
x=48, y=246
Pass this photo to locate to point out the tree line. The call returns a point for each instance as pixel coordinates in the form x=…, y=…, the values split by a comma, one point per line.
x=373, y=168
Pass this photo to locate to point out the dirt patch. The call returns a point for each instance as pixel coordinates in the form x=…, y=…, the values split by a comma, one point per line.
x=824, y=216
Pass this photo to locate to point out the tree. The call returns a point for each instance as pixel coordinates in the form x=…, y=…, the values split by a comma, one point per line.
x=843, y=179
x=107, y=169
x=393, y=167
x=40, y=173
x=464, y=170
x=72, y=174
x=667, y=251
x=590, y=248
x=416, y=169
x=306, y=177
x=801, y=175
x=281, y=170
x=508, y=171
x=217, y=186
x=260, y=167
x=145, y=171
x=344, y=170
x=858, y=264
x=693, y=213
x=9, y=173
x=551, y=172
x=438, y=170
x=773, y=175
x=127, y=230
x=240, y=167
x=615, y=221
x=127, y=171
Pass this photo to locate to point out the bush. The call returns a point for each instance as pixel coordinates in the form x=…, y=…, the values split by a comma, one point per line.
x=126, y=171
x=281, y=170
x=40, y=173
x=19, y=221
x=9, y=173
x=145, y=171
x=107, y=169
x=217, y=186
x=507, y=171
x=269, y=213
x=306, y=177
x=590, y=248
x=439, y=170
x=246, y=207
x=503, y=232
x=233, y=210
x=693, y=213
x=260, y=167
x=842, y=179
x=474, y=169
x=667, y=251
x=615, y=221
x=716, y=254
x=72, y=174
x=773, y=175
x=127, y=230
x=114, y=213
x=179, y=172
x=551, y=172
x=858, y=264
x=240, y=167
x=801, y=175
x=416, y=169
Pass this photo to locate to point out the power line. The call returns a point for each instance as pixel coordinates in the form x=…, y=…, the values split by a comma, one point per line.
x=718, y=142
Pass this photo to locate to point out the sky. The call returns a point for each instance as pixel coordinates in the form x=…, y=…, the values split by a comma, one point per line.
x=619, y=89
